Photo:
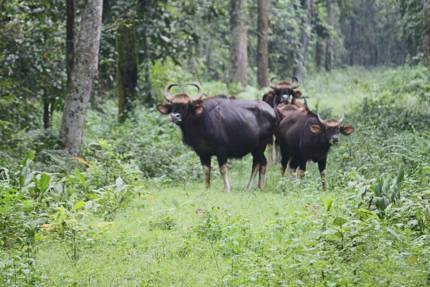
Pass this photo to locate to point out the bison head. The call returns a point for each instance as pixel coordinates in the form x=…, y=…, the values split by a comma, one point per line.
x=330, y=130
x=181, y=106
x=284, y=90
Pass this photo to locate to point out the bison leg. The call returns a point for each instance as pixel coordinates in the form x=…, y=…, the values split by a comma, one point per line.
x=270, y=153
x=262, y=162
x=277, y=153
x=206, y=163
x=285, y=158
x=255, y=168
x=321, y=166
x=224, y=172
x=261, y=176
x=302, y=168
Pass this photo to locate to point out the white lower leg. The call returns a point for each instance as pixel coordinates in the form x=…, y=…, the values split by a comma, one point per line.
x=300, y=173
x=323, y=180
x=207, y=174
x=270, y=153
x=251, y=179
x=261, y=177
x=224, y=173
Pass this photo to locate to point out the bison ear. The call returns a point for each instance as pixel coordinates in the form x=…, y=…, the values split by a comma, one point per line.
x=297, y=94
x=198, y=107
x=316, y=129
x=346, y=130
x=163, y=108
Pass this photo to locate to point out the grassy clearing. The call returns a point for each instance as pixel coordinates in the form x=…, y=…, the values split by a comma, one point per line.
x=370, y=229
x=147, y=243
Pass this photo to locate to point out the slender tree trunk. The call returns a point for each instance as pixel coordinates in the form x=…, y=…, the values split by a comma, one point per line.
x=144, y=9
x=208, y=60
x=46, y=110
x=352, y=43
x=239, y=46
x=127, y=74
x=300, y=61
x=263, y=38
x=329, y=52
x=70, y=38
x=320, y=52
x=82, y=76
x=426, y=32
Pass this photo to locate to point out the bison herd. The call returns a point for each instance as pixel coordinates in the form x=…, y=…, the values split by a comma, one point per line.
x=232, y=128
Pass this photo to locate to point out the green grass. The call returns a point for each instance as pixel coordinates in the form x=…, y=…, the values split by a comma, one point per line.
x=154, y=242
x=136, y=247
x=291, y=234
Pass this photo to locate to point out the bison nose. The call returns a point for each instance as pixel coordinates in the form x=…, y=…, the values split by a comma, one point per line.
x=334, y=140
x=285, y=98
x=175, y=117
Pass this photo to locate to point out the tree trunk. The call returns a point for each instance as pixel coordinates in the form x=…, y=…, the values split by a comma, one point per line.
x=82, y=76
x=239, y=47
x=329, y=52
x=263, y=49
x=127, y=74
x=70, y=37
x=352, y=43
x=426, y=32
x=319, y=52
x=144, y=10
x=300, y=61
x=46, y=109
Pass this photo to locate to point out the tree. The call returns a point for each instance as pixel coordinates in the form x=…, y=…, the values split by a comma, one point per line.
x=329, y=48
x=70, y=37
x=82, y=76
x=426, y=32
x=299, y=67
x=263, y=52
x=127, y=73
x=322, y=33
x=239, y=38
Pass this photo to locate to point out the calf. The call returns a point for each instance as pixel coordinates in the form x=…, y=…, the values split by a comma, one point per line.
x=222, y=127
x=304, y=136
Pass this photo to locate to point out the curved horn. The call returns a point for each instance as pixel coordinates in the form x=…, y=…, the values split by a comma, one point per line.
x=199, y=91
x=305, y=103
x=167, y=95
x=341, y=119
x=295, y=79
x=320, y=119
x=273, y=78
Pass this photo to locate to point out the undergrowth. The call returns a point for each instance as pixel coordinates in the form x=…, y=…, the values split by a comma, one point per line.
x=371, y=229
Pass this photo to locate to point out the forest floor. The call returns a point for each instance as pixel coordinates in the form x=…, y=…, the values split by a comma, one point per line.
x=292, y=233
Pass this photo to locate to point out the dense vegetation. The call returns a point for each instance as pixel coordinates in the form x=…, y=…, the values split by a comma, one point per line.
x=97, y=189
x=134, y=212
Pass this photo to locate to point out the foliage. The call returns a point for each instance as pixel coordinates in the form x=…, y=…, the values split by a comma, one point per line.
x=134, y=202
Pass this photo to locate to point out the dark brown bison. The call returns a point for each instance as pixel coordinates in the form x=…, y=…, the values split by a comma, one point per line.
x=304, y=136
x=222, y=127
x=283, y=95
x=282, y=92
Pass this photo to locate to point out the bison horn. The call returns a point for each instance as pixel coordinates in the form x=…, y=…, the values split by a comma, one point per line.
x=199, y=91
x=296, y=80
x=272, y=79
x=167, y=95
x=320, y=119
x=341, y=119
x=272, y=85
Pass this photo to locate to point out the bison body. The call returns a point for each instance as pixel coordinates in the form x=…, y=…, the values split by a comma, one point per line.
x=303, y=136
x=229, y=128
x=225, y=128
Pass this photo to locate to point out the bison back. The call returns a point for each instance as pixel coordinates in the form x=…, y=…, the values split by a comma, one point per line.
x=238, y=127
